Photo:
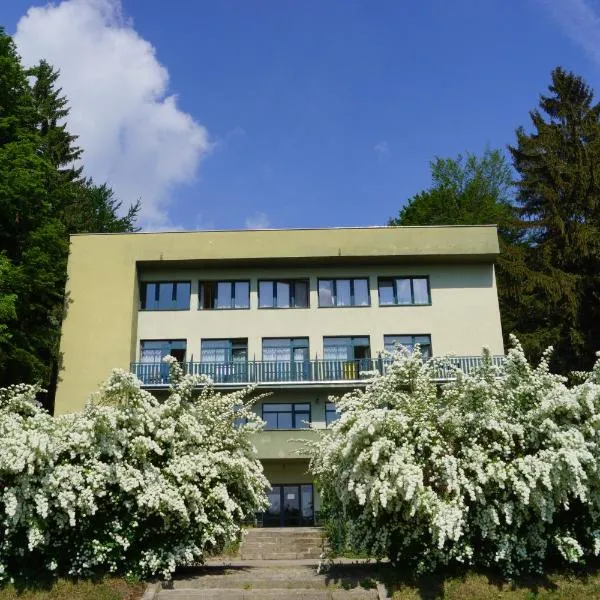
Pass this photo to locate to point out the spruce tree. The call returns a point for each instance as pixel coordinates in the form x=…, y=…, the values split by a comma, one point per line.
x=559, y=206
x=43, y=198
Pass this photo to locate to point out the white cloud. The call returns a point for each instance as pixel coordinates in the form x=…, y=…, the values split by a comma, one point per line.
x=258, y=220
x=382, y=149
x=134, y=135
x=580, y=21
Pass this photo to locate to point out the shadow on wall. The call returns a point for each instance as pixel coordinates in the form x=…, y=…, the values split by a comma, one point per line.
x=463, y=276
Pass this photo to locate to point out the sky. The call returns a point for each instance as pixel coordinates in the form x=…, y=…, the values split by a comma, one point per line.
x=235, y=114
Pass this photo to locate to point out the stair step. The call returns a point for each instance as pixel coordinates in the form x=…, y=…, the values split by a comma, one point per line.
x=267, y=594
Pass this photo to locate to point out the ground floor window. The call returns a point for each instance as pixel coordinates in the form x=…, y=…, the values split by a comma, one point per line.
x=331, y=414
x=290, y=505
x=286, y=415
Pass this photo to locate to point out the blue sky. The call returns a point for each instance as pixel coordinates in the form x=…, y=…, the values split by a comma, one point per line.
x=312, y=113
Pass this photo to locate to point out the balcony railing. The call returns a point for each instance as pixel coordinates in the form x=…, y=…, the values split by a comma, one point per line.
x=297, y=372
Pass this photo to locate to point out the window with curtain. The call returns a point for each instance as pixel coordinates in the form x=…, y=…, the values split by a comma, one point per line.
x=153, y=351
x=283, y=293
x=224, y=350
x=409, y=342
x=342, y=292
x=285, y=349
x=220, y=295
x=404, y=291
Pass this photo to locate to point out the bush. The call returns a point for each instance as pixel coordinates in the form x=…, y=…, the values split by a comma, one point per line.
x=131, y=484
x=497, y=469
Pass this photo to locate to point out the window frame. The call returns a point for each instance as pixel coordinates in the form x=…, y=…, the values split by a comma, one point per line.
x=352, y=345
x=292, y=282
x=215, y=283
x=229, y=345
x=411, y=335
x=411, y=278
x=293, y=413
x=163, y=342
x=144, y=294
x=292, y=346
x=352, y=279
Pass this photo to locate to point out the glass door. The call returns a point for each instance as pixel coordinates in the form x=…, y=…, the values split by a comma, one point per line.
x=290, y=506
x=272, y=516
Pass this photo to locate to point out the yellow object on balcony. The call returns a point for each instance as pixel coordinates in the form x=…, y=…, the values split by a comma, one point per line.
x=350, y=370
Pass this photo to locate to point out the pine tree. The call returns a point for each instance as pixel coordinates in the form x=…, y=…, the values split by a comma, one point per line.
x=559, y=205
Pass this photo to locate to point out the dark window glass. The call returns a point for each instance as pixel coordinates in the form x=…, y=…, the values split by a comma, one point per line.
x=331, y=413
x=286, y=416
x=165, y=295
x=301, y=294
x=241, y=290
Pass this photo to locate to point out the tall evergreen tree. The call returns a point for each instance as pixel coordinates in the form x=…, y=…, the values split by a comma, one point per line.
x=559, y=205
x=43, y=198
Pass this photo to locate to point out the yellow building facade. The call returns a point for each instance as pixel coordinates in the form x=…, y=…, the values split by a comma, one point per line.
x=302, y=314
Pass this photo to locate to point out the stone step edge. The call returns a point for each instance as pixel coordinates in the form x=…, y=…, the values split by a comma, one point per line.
x=278, y=593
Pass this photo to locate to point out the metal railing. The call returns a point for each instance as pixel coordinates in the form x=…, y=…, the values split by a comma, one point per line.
x=308, y=371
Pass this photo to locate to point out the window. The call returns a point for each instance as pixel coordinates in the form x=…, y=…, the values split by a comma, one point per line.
x=292, y=293
x=224, y=351
x=286, y=416
x=165, y=295
x=331, y=413
x=224, y=294
x=408, y=341
x=344, y=292
x=346, y=348
x=285, y=349
x=404, y=291
x=153, y=351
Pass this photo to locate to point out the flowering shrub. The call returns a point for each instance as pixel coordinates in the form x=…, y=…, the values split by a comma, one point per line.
x=499, y=468
x=130, y=484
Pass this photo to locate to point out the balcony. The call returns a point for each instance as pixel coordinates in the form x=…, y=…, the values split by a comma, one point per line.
x=309, y=373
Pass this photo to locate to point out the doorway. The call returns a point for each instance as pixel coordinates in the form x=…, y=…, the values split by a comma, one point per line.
x=290, y=505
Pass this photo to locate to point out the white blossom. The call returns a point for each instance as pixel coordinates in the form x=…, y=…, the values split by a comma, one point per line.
x=132, y=484
x=500, y=467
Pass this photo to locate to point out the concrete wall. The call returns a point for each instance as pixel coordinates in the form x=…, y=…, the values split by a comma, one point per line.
x=100, y=330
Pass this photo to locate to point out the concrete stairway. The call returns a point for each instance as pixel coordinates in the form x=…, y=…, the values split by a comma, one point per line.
x=292, y=581
x=288, y=543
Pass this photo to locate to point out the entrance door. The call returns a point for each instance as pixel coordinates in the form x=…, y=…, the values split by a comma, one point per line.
x=290, y=506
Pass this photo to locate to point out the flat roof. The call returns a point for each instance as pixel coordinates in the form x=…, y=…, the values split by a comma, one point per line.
x=335, y=244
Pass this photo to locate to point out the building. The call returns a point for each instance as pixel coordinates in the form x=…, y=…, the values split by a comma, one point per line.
x=302, y=313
